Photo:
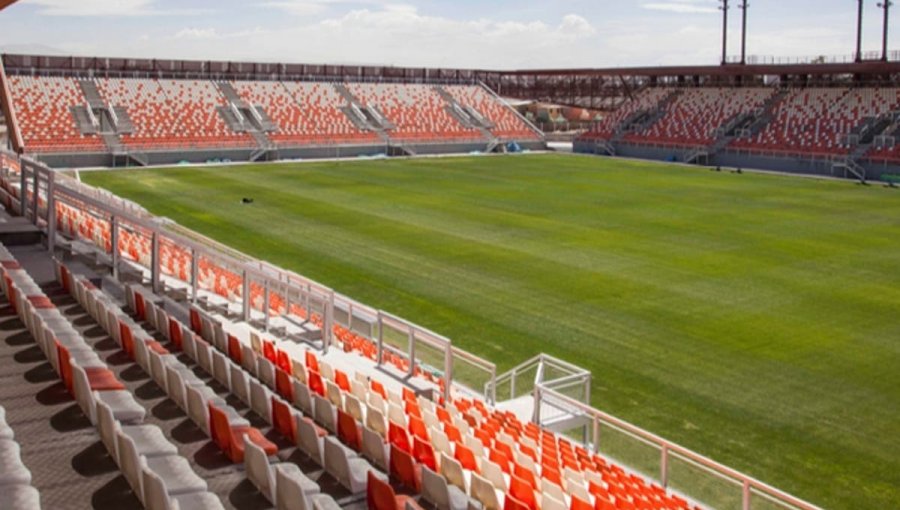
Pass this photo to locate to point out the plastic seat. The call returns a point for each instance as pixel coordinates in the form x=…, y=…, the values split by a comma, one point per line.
x=283, y=419
x=483, y=492
x=452, y=470
x=229, y=437
x=12, y=470
x=380, y=495
x=374, y=448
x=310, y=441
x=424, y=454
x=21, y=497
x=284, y=385
x=348, y=431
x=404, y=469
x=345, y=466
x=466, y=458
x=293, y=490
x=523, y=492
x=260, y=399
x=580, y=504
x=240, y=385
x=511, y=503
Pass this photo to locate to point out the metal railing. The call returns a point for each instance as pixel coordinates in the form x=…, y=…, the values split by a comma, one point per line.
x=725, y=487
x=43, y=191
x=559, y=389
x=542, y=370
x=866, y=56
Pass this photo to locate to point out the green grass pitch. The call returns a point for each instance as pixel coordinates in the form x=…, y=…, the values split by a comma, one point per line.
x=754, y=318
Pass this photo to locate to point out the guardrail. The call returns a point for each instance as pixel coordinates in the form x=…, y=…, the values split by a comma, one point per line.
x=44, y=193
x=547, y=378
x=736, y=489
x=542, y=370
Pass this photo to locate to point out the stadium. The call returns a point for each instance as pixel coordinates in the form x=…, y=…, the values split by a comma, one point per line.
x=247, y=285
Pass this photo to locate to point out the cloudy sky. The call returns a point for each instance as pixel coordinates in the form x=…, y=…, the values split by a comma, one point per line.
x=497, y=34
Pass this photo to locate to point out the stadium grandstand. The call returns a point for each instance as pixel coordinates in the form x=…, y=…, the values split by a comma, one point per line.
x=145, y=365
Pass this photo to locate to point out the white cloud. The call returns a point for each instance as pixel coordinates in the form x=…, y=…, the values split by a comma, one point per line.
x=103, y=8
x=309, y=7
x=683, y=6
x=196, y=33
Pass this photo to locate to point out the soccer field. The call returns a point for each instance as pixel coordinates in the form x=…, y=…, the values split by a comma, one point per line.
x=753, y=318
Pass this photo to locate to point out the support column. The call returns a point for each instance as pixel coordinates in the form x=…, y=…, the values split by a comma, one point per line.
x=245, y=296
x=744, y=7
x=886, y=5
x=379, y=358
x=114, y=241
x=34, y=201
x=448, y=372
x=195, y=274
x=664, y=466
x=23, y=189
x=51, y=213
x=859, y=27
x=154, y=263
x=266, y=307
x=724, y=9
x=411, y=352
x=328, y=334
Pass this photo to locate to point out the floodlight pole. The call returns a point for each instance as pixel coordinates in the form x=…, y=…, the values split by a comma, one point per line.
x=859, y=27
x=886, y=5
x=743, y=8
x=724, y=9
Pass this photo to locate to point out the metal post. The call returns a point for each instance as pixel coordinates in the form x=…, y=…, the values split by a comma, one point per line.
x=664, y=466
x=34, y=202
x=411, y=352
x=448, y=372
x=51, y=212
x=195, y=274
x=306, y=302
x=154, y=263
x=266, y=307
x=379, y=356
x=329, y=323
x=494, y=386
x=23, y=189
x=287, y=297
x=114, y=241
x=744, y=6
x=536, y=416
x=745, y=500
x=596, y=435
x=859, y=27
x=724, y=9
x=245, y=296
x=886, y=5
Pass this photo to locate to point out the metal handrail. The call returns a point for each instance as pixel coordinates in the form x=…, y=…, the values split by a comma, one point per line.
x=667, y=448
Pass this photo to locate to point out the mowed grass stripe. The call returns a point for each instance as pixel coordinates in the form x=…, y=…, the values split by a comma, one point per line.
x=748, y=317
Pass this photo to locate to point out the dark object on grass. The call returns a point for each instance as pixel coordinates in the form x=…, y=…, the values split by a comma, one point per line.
x=246, y=200
x=740, y=171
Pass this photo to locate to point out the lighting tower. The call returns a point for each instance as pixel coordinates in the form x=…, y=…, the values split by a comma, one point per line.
x=724, y=9
x=886, y=5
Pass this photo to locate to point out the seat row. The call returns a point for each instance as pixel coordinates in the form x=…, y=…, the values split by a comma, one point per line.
x=159, y=476
x=15, y=477
x=461, y=434
x=282, y=483
x=184, y=114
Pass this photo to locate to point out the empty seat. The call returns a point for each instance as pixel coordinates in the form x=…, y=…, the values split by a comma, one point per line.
x=345, y=466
